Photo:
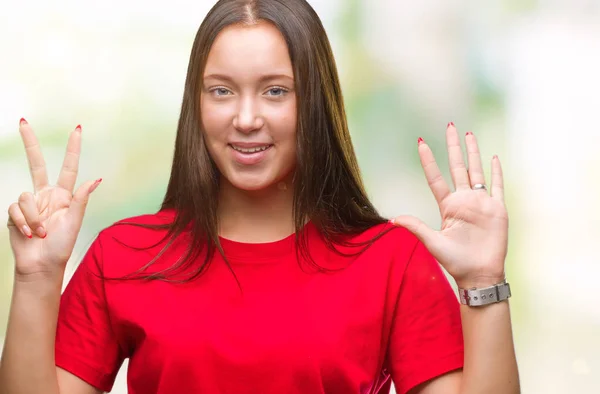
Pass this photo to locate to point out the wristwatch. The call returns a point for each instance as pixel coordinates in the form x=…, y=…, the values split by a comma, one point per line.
x=484, y=296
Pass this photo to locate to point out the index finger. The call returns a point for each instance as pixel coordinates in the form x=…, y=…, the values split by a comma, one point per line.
x=497, y=179
x=37, y=165
x=68, y=172
x=436, y=181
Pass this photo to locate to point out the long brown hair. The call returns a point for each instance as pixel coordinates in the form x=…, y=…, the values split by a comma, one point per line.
x=328, y=189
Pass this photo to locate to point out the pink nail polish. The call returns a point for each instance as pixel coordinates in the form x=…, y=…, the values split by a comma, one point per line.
x=22, y=121
x=469, y=133
x=495, y=157
x=94, y=186
x=420, y=140
x=41, y=232
x=450, y=124
x=27, y=231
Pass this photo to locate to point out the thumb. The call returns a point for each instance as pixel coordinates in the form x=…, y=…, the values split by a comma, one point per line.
x=80, y=200
x=424, y=233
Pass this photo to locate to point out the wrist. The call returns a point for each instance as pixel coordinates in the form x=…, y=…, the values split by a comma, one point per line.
x=50, y=275
x=37, y=287
x=481, y=296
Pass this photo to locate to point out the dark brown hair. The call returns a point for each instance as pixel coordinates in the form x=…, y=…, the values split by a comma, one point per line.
x=334, y=200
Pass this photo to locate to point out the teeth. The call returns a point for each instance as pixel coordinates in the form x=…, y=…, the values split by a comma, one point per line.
x=251, y=150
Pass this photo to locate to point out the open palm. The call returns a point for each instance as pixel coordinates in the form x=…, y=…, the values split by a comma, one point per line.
x=472, y=242
x=44, y=225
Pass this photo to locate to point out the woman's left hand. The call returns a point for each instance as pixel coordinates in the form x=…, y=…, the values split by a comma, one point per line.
x=473, y=239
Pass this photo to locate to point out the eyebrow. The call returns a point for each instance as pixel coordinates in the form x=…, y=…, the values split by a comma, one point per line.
x=263, y=78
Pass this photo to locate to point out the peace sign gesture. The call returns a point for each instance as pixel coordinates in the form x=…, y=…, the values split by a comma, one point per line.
x=473, y=239
x=44, y=225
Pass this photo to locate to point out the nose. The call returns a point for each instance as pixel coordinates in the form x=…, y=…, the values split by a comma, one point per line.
x=248, y=118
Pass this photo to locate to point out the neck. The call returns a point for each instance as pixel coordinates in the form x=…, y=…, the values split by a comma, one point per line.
x=256, y=216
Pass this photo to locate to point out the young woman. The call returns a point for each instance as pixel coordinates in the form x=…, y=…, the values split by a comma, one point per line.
x=267, y=269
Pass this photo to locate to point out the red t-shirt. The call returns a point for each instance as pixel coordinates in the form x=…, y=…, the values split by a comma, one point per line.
x=390, y=312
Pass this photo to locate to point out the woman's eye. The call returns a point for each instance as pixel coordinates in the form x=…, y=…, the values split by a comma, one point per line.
x=221, y=91
x=276, y=91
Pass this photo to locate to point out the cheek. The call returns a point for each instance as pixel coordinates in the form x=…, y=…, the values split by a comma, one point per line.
x=215, y=120
x=284, y=125
x=287, y=143
x=214, y=116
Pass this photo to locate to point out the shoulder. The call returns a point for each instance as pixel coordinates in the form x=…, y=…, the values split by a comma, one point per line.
x=408, y=257
x=388, y=240
x=401, y=251
x=138, y=229
x=409, y=267
x=384, y=248
x=132, y=242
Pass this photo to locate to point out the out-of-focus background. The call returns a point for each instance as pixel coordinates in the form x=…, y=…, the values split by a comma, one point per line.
x=524, y=75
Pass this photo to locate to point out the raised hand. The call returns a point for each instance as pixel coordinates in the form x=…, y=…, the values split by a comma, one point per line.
x=473, y=239
x=44, y=225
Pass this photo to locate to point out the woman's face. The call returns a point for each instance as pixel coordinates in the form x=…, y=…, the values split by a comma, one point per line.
x=248, y=106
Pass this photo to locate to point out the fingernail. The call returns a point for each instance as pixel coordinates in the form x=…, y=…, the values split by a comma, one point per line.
x=495, y=157
x=22, y=121
x=41, y=232
x=78, y=128
x=450, y=124
x=420, y=140
x=94, y=186
x=27, y=231
x=469, y=133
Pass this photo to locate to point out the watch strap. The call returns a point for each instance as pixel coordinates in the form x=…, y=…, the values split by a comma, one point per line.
x=484, y=296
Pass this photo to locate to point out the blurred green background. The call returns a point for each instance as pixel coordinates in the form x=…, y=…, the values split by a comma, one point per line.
x=522, y=75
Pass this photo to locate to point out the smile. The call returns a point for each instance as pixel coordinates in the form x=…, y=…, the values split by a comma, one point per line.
x=251, y=150
x=250, y=154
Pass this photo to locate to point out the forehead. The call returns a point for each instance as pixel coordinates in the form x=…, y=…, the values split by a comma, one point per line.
x=246, y=50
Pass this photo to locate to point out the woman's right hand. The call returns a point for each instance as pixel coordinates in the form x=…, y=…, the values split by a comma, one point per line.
x=44, y=225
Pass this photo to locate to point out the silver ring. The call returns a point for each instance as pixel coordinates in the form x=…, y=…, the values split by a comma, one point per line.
x=479, y=186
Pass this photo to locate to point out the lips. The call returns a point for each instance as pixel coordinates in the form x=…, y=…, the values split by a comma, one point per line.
x=249, y=154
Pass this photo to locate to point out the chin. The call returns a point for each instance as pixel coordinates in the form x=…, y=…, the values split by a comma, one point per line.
x=251, y=183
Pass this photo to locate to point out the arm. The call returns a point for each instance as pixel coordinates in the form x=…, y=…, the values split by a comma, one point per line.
x=490, y=361
x=472, y=247
x=27, y=364
x=28, y=357
x=43, y=227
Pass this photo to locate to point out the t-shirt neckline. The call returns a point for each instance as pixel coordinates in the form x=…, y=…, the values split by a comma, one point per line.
x=262, y=251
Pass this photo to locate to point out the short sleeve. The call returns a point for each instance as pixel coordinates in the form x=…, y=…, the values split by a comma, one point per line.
x=86, y=345
x=426, y=338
